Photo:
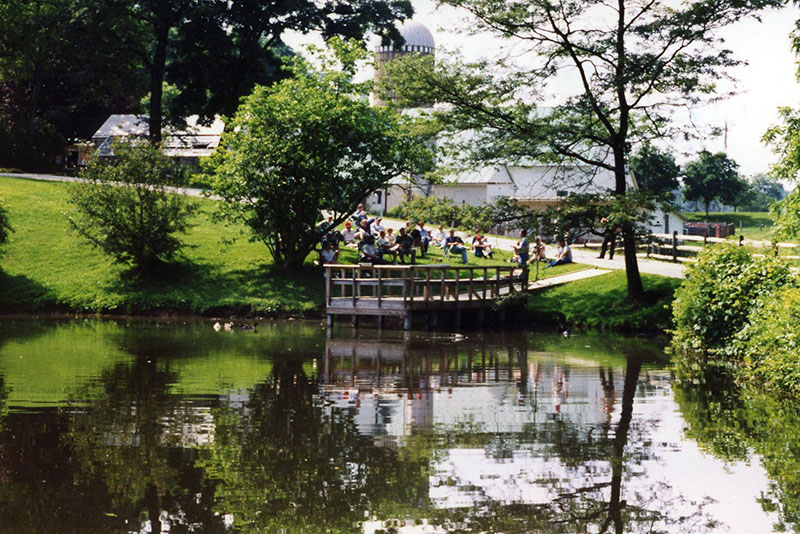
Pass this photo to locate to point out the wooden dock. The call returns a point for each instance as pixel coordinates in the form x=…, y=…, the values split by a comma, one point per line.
x=408, y=290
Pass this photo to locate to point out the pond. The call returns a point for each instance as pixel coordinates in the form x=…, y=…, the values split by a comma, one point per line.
x=140, y=426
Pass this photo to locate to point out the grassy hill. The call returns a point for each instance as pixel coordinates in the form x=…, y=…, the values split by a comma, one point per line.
x=46, y=267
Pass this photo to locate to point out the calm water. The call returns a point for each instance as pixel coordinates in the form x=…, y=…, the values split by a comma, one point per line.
x=112, y=427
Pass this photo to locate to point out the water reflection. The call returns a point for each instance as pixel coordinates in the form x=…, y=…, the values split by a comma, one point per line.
x=153, y=428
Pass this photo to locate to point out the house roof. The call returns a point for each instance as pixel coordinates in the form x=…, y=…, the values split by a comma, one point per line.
x=193, y=141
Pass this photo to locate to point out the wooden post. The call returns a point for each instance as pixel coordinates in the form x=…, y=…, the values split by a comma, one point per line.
x=354, y=320
x=485, y=281
x=443, y=288
x=411, y=288
x=380, y=285
x=675, y=245
x=427, y=284
x=405, y=282
x=354, y=286
x=407, y=321
x=471, y=274
x=328, y=276
x=458, y=281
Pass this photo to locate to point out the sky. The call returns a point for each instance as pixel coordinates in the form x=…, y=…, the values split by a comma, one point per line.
x=765, y=83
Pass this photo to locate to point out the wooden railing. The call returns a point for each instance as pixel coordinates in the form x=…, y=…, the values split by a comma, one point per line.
x=421, y=283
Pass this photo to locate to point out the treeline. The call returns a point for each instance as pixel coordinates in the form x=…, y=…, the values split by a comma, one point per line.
x=65, y=65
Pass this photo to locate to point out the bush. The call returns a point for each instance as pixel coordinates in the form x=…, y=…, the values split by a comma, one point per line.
x=770, y=345
x=720, y=294
x=126, y=209
x=5, y=226
x=442, y=211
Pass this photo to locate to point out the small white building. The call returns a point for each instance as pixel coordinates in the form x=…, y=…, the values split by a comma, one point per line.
x=186, y=145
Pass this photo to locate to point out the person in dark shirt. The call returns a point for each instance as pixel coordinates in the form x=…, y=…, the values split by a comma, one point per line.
x=405, y=246
x=455, y=245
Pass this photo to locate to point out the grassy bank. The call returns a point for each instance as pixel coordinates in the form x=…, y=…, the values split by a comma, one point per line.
x=601, y=303
x=46, y=267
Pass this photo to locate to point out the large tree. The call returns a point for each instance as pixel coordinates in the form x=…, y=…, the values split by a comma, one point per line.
x=310, y=143
x=64, y=66
x=712, y=177
x=655, y=170
x=632, y=63
x=216, y=51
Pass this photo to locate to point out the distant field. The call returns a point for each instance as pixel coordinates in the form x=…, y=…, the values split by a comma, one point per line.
x=752, y=224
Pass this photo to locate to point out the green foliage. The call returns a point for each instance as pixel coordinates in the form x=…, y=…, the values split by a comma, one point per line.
x=712, y=176
x=443, y=212
x=602, y=303
x=125, y=207
x=5, y=226
x=787, y=216
x=635, y=65
x=721, y=292
x=307, y=144
x=770, y=344
x=655, y=170
x=785, y=141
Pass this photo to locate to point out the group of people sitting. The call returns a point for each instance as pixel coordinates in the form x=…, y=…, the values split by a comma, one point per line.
x=381, y=245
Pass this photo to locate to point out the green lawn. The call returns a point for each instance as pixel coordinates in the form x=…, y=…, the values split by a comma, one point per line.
x=754, y=224
x=600, y=302
x=47, y=267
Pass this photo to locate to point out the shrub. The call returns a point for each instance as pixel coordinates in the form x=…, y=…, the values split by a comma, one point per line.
x=770, y=345
x=442, y=211
x=125, y=206
x=5, y=226
x=720, y=294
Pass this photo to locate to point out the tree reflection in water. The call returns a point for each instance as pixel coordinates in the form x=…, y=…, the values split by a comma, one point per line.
x=735, y=424
x=299, y=458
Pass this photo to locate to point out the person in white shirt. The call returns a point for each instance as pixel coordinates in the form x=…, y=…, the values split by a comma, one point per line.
x=377, y=227
x=349, y=235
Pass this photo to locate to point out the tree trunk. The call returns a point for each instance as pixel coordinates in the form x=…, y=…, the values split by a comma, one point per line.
x=156, y=83
x=635, y=286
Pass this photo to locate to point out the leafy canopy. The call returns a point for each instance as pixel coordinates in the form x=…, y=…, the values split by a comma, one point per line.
x=309, y=143
x=711, y=177
x=627, y=66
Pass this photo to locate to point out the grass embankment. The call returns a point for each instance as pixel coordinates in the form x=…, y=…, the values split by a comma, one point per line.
x=47, y=267
x=756, y=225
x=600, y=302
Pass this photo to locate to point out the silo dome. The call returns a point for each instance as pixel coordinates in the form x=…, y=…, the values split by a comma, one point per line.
x=418, y=38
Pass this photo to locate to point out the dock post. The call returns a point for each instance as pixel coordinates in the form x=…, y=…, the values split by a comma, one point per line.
x=381, y=321
x=329, y=320
x=407, y=321
x=354, y=319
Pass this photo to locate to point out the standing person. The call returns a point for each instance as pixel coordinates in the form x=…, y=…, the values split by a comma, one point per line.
x=456, y=246
x=609, y=240
x=564, y=255
x=522, y=249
